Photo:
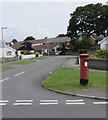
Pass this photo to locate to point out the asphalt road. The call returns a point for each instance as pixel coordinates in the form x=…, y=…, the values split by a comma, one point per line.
x=23, y=96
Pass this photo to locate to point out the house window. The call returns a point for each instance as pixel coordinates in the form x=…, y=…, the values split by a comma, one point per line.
x=9, y=53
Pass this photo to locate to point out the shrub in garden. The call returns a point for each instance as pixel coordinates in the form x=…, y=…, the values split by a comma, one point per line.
x=23, y=52
x=102, y=53
x=39, y=51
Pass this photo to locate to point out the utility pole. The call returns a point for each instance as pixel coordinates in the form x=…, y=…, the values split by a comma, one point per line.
x=3, y=44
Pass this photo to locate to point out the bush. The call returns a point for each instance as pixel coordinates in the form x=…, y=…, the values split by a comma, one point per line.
x=39, y=51
x=82, y=51
x=102, y=53
x=23, y=52
x=93, y=56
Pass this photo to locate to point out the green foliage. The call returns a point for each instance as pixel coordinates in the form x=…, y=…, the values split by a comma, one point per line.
x=83, y=45
x=29, y=38
x=39, y=51
x=23, y=52
x=102, y=53
x=14, y=41
x=93, y=56
x=86, y=20
x=62, y=48
x=62, y=35
x=82, y=51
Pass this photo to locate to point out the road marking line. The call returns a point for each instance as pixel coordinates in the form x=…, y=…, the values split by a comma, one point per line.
x=3, y=101
x=75, y=103
x=22, y=104
x=2, y=104
x=100, y=103
x=24, y=100
x=4, y=79
x=48, y=103
x=19, y=73
x=49, y=100
x=74, y=100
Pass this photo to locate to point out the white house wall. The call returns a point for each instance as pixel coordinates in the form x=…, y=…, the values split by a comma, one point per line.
x=104, y=45
x=5, y=50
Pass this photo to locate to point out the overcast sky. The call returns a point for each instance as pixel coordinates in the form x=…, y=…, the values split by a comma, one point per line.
x=38, y=19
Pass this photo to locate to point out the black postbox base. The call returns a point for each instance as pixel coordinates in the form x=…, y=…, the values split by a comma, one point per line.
x=83, y=81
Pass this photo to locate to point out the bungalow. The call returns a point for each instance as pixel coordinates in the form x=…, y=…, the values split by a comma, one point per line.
x=103, y=43
x=47, y=48
x=46, y=45
x=26, y=46
x=7, y=52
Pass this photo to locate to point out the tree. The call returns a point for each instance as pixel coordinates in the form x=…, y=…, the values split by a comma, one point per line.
x=29, y=38
x=62, y=35
x=62, y=48
x=14, y=41
x=87, y=20
x=84, y=44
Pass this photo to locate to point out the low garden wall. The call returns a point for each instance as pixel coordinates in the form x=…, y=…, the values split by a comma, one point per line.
x=28, y=56
x=11, y=59
x=100, y=64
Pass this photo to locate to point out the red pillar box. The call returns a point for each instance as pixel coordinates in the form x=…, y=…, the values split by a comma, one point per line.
x=84, y=69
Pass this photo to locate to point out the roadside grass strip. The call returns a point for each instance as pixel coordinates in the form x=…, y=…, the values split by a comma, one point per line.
x=48, y=102
x=3, y=102
x=4, y=68
x=100, y=103
x=74, y=102
x=68, y=80
x=23, y=102
x=27, y=61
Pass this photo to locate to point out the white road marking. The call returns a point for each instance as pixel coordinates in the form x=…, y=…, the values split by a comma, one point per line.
x=4, y=101
x=22, y=104
x=2, y=104
x=49, y=100
x=97, y=103
x=24, y=100
x=4, y=79
x=48, y=103
x=19, y=73
x=76, y=103
x=74, y=100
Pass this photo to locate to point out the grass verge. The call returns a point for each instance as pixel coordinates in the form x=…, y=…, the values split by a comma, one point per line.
x=27, y=61
x=68, y=80
x=4, y=68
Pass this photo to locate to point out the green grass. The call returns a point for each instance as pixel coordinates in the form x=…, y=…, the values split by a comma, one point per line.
x=27, y=61
x=68, y=80
x=4, y=68
x=40, y=58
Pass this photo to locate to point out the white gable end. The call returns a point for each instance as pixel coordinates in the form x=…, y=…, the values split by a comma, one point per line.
x=104, y=43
